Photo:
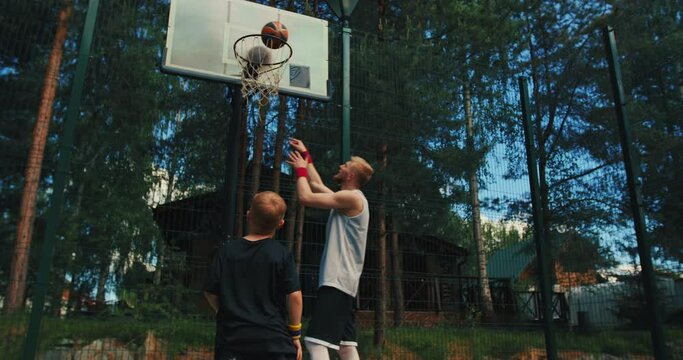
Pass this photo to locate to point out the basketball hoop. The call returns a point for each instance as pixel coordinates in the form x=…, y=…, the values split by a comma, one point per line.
x=262, y=67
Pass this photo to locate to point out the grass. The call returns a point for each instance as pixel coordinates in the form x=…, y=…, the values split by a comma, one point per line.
x=439, y=343
x=479, y=343
x=182, y=333
x=401, y=343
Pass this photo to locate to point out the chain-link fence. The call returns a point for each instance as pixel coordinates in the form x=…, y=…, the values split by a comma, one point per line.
x=451, y=269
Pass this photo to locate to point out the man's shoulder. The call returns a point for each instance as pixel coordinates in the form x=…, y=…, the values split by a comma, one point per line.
x=357, y=193
x=355, y=197
x=350, y=191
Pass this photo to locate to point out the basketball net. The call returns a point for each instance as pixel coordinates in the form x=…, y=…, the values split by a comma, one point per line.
x=262, y=67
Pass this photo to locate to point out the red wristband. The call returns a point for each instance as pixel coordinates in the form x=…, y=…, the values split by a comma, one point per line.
x=300, y=172
x=306, y=155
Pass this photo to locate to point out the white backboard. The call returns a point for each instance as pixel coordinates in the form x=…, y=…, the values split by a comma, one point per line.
x=201, y=35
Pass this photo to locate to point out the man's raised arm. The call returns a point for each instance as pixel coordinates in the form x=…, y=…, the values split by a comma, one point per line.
x=342, y=200
x=314, y=180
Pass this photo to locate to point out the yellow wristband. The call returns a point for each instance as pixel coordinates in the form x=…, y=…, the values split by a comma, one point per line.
x=294, y=331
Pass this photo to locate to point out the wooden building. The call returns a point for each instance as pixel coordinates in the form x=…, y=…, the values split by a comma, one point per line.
x=431, y=268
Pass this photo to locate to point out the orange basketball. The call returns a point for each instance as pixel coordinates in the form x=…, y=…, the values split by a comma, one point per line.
x=274, y=34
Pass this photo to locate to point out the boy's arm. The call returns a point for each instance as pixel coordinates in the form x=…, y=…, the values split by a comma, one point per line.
x=295, y=302
x=213, y=300
x=212, y=285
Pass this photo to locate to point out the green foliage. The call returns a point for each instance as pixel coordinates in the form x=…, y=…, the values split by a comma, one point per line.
x=579, y=253
x=650, y=39
x=139, y=128
x=501, y=234
x=575, y=195
x=417, y=117
x=631, y=304
x=154, y=302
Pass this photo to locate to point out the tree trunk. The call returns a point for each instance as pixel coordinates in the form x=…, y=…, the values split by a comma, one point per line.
x=397, y=275
x=279, y=142
x=485, y=290
x=239, y=199
x=300, y=217
x=161, y=248
x=78, y=301
x=382, y=294
x=381, y=308
x=542, y=155
x=161, y=254
x=68, y=287
x=101, y=284
x=63, y=295
x=290, y=223
x=259, y=139
x=17, y=280
x=301, y=113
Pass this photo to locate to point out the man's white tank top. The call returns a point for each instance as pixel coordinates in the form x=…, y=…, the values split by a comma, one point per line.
x=344, y=253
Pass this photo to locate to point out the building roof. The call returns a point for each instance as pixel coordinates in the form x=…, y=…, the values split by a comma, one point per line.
x=440, y=245
x=509, y=262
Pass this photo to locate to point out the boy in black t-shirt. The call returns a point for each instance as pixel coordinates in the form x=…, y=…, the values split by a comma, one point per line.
x=254, y=289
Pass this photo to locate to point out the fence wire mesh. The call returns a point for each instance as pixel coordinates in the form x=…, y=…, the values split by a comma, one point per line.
x=445, y=276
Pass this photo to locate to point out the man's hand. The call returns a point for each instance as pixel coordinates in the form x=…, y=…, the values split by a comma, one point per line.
x=297, y=145
x=296, y=160
x=299, y=351
x=314, y=180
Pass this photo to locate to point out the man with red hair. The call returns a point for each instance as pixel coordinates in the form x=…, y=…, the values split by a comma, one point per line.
x=332, y=324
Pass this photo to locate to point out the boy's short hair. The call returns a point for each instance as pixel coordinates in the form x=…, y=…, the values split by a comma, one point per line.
x=363, y=170
x=266, y=211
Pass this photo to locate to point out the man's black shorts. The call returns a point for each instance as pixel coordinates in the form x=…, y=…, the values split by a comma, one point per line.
x=333, y=320
x=221, y=354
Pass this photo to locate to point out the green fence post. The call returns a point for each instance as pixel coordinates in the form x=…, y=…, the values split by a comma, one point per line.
x=346, y=93
x=632, y=167
x=542, y=254
x=57, y=199
x=343, y=9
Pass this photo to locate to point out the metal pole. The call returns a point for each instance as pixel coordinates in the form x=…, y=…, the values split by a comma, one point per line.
x=633, y=179
x=57, y=199
x=346, y=93
x=542, y=253
x=232, y=161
